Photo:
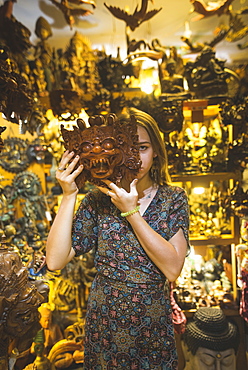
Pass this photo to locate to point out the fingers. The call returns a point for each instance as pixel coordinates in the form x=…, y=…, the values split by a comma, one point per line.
x=67, y=166
x=133, y=188
x=76, y=172
x=72, y=165
x=118, y=194
x=107, y=191
x=111, y=184
x=116, y=189
x=112, y=189
x=67, y=163
x=66, y=158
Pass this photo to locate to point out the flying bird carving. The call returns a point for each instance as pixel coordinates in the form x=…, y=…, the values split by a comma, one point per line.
x=80, y=2
x=237, y=29
x=133, y=20
x=209, y=9
x=70, y=12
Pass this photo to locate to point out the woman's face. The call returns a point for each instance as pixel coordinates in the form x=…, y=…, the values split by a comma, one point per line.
x=147, y=153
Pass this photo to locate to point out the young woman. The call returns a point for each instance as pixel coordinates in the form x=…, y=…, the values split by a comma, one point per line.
x=140, y=235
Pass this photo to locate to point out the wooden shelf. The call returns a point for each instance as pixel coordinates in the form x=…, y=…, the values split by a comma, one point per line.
x=203, y=180
x=207, y=177
x=223, y=240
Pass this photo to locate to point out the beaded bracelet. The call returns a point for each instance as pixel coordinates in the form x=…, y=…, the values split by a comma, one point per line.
x=125, y=214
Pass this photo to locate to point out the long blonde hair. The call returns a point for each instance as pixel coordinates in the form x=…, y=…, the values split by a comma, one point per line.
x=159, y=170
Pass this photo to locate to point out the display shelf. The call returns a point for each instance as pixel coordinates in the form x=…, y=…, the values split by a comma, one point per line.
x=205, y=178
x=225, y=181
x=224, y=239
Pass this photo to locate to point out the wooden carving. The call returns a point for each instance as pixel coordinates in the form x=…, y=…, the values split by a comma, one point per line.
x=19, y=301
x=207, y=10
x=70, y=12
x=107, y=149
x=134, y=20
x=2, y=129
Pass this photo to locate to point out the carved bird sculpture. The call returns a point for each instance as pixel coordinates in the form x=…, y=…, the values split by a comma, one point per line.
x=86, y=2
x=209, y=9
x=197, y=47
x=133, y=20
x=236, y=29
x=69, y=12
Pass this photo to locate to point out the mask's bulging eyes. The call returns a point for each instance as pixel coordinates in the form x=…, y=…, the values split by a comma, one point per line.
x=86, y=147
x=108, y=144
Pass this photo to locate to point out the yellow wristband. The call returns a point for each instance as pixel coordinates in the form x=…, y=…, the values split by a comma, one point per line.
x=125, y=214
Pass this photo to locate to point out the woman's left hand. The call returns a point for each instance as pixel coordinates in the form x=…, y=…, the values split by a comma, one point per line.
x=123, y=200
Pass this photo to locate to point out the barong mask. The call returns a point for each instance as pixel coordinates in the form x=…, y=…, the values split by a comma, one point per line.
x=107, y=149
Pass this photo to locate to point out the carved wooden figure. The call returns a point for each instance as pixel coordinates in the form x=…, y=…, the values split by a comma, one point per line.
x=134, y=20
x=19, y=301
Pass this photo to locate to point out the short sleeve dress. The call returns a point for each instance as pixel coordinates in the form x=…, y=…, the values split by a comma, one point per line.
x=129, y=316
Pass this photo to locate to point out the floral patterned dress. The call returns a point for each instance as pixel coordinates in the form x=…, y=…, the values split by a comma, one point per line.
x=129, y=317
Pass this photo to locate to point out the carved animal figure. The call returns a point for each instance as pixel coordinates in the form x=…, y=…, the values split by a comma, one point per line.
x=80, y=2
x=134, y=20
x=210, y=9
x=198, y=47
x=69, y=12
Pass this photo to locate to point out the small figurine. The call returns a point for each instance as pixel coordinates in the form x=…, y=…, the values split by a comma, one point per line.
x=195, y=140
x=173, y=83
x=78, y=69
x=43, y=50
x=52, y=332
x=41, y=362
x=207, y=77
x=242, y=277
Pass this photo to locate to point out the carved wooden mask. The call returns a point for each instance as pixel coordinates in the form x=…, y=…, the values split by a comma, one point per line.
x=107, y=149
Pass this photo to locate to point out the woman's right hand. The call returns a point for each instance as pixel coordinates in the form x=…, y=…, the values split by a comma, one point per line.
x=66, y=174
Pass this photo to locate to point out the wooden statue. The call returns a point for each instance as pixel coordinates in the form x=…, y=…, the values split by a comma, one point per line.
x=19, y=301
